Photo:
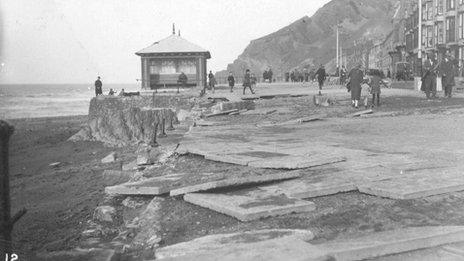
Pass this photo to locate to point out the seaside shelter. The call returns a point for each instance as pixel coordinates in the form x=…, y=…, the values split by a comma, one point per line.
x=163, y=62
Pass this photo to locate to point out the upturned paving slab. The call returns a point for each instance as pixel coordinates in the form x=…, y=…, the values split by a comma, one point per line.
x=392, y=242
x=182, y=183
x=310, y=186
x=220, y=241
x=235, y=181
x=287, y=248
x=250, y=204
x=417, y=184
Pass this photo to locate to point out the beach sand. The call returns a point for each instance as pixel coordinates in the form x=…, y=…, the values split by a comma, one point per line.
x=59, y=199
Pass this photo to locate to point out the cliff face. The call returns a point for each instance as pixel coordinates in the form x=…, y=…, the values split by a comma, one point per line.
x=312, y=40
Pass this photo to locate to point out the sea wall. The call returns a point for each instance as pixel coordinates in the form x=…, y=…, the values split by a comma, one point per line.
x=122, y=121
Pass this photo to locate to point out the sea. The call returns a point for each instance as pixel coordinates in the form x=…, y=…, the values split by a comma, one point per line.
x=50, y=100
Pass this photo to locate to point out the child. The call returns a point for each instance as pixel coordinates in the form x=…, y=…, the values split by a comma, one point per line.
x=253, y=80
x=374, y=85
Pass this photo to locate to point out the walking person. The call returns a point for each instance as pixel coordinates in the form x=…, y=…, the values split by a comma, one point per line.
x=355, y=79
x=231, y=81
x=254, y=80
x=343, y=75
x=429, y=79
x=447, y=74
x=98, y=87
x=374, y=85
x=247, y=82
x=321, y=77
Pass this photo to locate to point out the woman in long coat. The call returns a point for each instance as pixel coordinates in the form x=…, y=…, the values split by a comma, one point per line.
x=429, y=79
x=355, y=80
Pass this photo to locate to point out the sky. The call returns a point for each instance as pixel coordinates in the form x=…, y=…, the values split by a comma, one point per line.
x=73, y=41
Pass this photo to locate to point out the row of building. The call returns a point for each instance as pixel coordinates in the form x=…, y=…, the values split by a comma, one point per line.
x=429, y=27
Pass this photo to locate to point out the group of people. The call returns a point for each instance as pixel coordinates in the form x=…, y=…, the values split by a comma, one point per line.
x=268, y=75
x=300, y=76
x=432, y=69
x=99, y=89
x=354, y=85
x=249, y=81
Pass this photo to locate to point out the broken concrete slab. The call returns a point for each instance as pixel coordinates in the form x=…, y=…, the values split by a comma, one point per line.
x=416, y=184
x=250, y=204
x=288, y=249
x=309, y=119
x=357, y=114
x=221, y=113
x=310, y=186
x=392, y=242
x=114, y=177
x=153, y=186
x=295, y=162
x=234, y=181
x=203, y=123
x=110, y=158
x=456, y=248
x=221, y=241
x=231, y=158
x=181, y=183
x=130, y=166
x=429, y=254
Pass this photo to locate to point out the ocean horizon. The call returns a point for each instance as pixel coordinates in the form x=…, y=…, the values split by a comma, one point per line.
x=50, y=100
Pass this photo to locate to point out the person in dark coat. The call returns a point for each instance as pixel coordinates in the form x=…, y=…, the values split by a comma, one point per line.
x=355, y=79
x=182, y=81
x=429, y=78
x=343, y=73
x=269, y=75
x=231, y=81
x=247, y=82
x=447, y=74
x=374, y=84
x=98, y=87
x=212, y=81
x=321, y=76
x=287, y=76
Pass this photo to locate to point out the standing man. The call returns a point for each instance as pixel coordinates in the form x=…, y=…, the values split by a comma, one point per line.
x=321, y=76
x=182, y=81
x=212, y=81
x=355, y=79
x=98, y=87
x=247, y=81
x=429, y=79
x=447, y=74
x=231, y=81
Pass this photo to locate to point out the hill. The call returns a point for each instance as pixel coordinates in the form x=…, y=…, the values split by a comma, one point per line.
x=310, y=41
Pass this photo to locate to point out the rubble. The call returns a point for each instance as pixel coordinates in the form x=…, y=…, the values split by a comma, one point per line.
x=110, y=158
x=104, y=213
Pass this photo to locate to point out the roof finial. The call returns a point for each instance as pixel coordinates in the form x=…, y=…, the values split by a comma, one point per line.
x=173, y=28
x=179, y=33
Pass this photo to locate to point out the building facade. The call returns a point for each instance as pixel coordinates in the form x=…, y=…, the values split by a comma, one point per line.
x=163, y=62
x=442, y=31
